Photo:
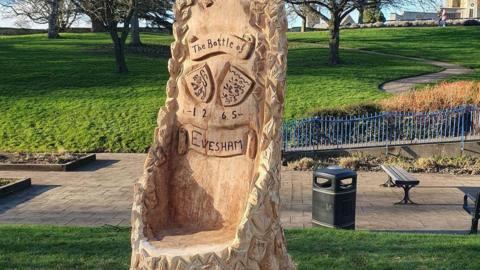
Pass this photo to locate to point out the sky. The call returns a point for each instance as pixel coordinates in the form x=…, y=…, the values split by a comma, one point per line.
x=10, y=22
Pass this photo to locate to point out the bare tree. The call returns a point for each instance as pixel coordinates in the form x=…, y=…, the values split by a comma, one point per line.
x=111, y=13
x=136, y=41
x=158, y=12
x=97, y=26
x=334, y=11
x=58, y=14
x=301, y=11
x=52, y=19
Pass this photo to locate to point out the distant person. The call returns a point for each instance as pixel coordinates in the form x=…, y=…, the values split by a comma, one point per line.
x=443, y=18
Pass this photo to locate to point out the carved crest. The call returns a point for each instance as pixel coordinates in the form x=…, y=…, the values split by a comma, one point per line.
x=199, y=83
x=235, y=87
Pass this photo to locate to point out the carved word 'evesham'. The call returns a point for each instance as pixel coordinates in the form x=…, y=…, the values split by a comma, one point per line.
x=217, y=142
x=220, y=143
x=219, y=43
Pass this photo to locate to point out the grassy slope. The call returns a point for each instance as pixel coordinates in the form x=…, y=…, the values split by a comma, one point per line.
x=453, y=44
x=44, y=247
x=313, y=85
x=64, y=94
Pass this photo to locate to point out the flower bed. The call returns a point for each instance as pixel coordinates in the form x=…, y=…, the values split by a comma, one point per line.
x=9, y=186
x=461, y=165
x=43, y=162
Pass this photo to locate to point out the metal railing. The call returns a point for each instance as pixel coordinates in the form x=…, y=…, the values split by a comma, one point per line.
x=382, y=129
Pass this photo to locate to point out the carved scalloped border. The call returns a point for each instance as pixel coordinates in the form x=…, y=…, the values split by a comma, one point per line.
x=260, y=242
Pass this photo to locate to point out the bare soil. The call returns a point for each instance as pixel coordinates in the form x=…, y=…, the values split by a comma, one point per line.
x=6, y=181
x=37, y=158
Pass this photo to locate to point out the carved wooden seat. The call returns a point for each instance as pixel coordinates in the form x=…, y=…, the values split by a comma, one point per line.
x=209, y=195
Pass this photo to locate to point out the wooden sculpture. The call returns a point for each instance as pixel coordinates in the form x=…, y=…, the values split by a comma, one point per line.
x=209, y=195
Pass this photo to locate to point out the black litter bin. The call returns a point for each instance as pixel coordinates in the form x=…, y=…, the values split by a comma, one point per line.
x=334, y=198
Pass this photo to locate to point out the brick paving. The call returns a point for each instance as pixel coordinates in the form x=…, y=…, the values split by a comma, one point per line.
x=438, y=197
x=101, y=194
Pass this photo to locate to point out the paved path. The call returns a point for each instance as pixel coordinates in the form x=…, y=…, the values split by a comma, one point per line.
x=409, y=83
x=406, y=84
x=439, y=200
x=101, y=194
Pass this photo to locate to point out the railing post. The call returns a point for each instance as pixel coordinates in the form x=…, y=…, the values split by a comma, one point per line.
x=387, y=134
x=462, y=138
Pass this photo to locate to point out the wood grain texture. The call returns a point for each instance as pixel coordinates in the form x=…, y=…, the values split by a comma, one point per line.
x=209, y=195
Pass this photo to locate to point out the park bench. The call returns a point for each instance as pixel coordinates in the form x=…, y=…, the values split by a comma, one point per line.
x=473, y=210
x=398, y=177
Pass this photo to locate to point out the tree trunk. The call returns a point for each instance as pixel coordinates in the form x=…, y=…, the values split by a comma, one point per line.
x=119, y=48
x=334, y=44
x=53, y=20
x=136, y=31
x=304, y=24
x=360, y=14
x=97, y=25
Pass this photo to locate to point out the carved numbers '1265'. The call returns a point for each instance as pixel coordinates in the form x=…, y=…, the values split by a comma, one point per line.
x=235, y=87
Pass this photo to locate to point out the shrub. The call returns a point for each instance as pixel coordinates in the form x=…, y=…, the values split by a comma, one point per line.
x=373, y=15
x=303, y=164
x=427, y=164
x=353, y=109
x=352, y=163
x=364, y=162
x=471, y=23
x=438, y=97
x=476, y=167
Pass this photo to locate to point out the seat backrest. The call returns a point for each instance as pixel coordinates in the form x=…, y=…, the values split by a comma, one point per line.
x=390, y=172
x=403, y=174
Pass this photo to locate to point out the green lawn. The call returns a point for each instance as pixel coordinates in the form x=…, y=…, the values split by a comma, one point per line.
x=46, y=247
x=64, y=95
x=453, y=44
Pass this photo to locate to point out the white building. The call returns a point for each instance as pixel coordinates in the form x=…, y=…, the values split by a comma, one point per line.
x=414, y=16
x=314, y=21
x=462, y=9
x=455, y=9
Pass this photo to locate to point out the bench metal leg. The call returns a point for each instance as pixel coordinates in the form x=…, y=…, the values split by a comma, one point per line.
x=406, y=196
x=476, y=215
x=388, y=183
x=474, y=229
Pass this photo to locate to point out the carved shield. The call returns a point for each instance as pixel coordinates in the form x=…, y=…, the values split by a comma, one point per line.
x=235, y=87
x=199, y=83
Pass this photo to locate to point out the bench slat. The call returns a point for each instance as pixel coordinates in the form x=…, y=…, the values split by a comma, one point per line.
x=399, y=175
x=390, y=172
x=404, y=174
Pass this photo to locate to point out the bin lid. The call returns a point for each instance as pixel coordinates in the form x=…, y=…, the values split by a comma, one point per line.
x=334, y=173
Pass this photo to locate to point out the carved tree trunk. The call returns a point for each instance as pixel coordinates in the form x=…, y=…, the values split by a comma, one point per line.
x=209, y=195
x=53, y=19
